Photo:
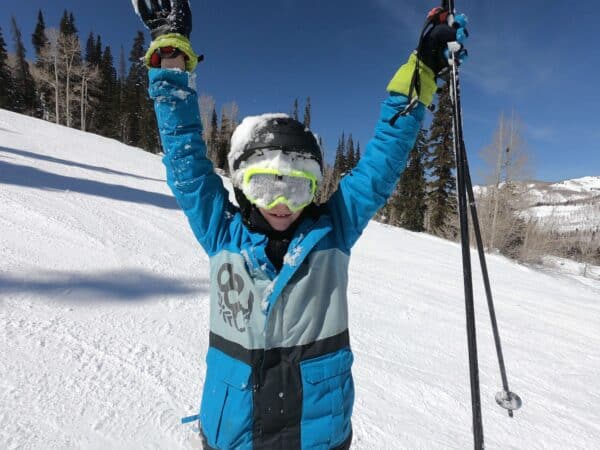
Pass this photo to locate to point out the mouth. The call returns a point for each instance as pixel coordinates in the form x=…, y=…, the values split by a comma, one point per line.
x=280, y=215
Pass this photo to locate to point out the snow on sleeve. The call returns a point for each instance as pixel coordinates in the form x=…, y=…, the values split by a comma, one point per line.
x=192, y=81
x=181, y=94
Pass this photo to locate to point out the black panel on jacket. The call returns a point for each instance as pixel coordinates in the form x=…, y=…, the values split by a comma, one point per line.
x=277, y=387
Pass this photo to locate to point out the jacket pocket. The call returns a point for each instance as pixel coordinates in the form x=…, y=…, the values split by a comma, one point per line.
x=226, y=409
x=328, y=396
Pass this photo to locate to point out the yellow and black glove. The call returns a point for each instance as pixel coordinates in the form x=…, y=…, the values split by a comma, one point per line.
x=170, y=25
x=432, y=55
x=403, y=78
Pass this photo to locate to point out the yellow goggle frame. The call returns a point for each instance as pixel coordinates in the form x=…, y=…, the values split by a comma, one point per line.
x=250, y=172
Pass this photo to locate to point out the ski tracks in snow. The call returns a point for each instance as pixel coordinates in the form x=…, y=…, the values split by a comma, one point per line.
x=117, y=381
x=104, y=314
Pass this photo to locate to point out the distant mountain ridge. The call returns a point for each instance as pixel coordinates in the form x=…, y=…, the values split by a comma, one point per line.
x=567, y=205
x=563, y=206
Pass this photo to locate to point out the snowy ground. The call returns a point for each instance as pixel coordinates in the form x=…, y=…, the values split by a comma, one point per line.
x=104, y=318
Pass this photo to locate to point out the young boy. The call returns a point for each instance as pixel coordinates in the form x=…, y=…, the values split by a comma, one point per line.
x=279, y=361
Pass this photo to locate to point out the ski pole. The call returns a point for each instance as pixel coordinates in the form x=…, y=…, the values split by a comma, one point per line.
x=466, y=258
x=505, y=398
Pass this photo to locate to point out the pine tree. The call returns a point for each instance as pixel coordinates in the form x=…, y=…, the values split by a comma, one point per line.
x=223, y=140
x=98, y=50
x=39, y=38
x=122, y=93
x=140, y=122
x=350, y=161
x=67, y=24
x=91, y=55
x=412, y=188
x=122, y=67
x=92, y=63
x=5, y=75
x=107, y=112
x=306, y=120
x=73, y=29
x=295, y=110
x=442, y=186
x=213, y=138
x=133, y=99
x=40, y=42
x=64, y=23
x=24, y=92
x=339, y=163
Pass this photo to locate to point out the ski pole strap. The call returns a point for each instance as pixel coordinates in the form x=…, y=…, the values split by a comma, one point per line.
x=402, y=80
x=189, y=419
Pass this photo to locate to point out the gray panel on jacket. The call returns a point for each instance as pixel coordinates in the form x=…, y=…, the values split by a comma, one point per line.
x=312, y=306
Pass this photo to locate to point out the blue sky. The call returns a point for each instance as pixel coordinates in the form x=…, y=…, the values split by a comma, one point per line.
x=540, y=58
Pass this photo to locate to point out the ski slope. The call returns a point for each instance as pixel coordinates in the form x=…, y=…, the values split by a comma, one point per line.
x=103, y=306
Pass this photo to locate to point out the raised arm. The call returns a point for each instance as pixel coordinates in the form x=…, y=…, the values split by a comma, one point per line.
x=366, y=188
x=190, y=175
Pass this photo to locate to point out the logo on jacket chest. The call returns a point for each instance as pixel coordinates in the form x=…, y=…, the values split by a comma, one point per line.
x=235, y=305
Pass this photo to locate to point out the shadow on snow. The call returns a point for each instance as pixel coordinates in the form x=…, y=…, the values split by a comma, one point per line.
x=18, y=175
x=66, y=162
x=9, y=131
x=105, y=286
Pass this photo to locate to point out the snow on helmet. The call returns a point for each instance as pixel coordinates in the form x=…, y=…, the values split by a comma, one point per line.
x=273, y=141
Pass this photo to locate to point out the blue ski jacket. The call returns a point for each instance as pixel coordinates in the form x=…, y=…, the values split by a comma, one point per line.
x=279, y=359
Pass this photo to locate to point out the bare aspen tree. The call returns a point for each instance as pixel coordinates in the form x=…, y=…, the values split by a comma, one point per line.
x=503, y=228
x=60, y=69
x=70, y=48
x=49, y=71
x=235, y=110
x=231, y=110
x=207, y=104
x=73, y=83
x=89, y=78
x=496, y=189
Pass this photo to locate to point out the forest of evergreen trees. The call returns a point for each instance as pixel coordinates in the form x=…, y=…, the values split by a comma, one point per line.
x=81, y=86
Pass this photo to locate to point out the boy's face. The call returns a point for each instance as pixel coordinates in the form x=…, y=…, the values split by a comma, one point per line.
x=280, y=217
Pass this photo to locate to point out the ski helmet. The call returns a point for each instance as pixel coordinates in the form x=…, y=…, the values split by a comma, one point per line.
x=273, y=141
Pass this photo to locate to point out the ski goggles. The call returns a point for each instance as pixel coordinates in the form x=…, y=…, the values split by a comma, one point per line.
x=266, y=188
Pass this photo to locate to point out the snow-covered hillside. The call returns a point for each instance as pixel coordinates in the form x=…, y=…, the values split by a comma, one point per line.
x=565, y=206
x=103, y=306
